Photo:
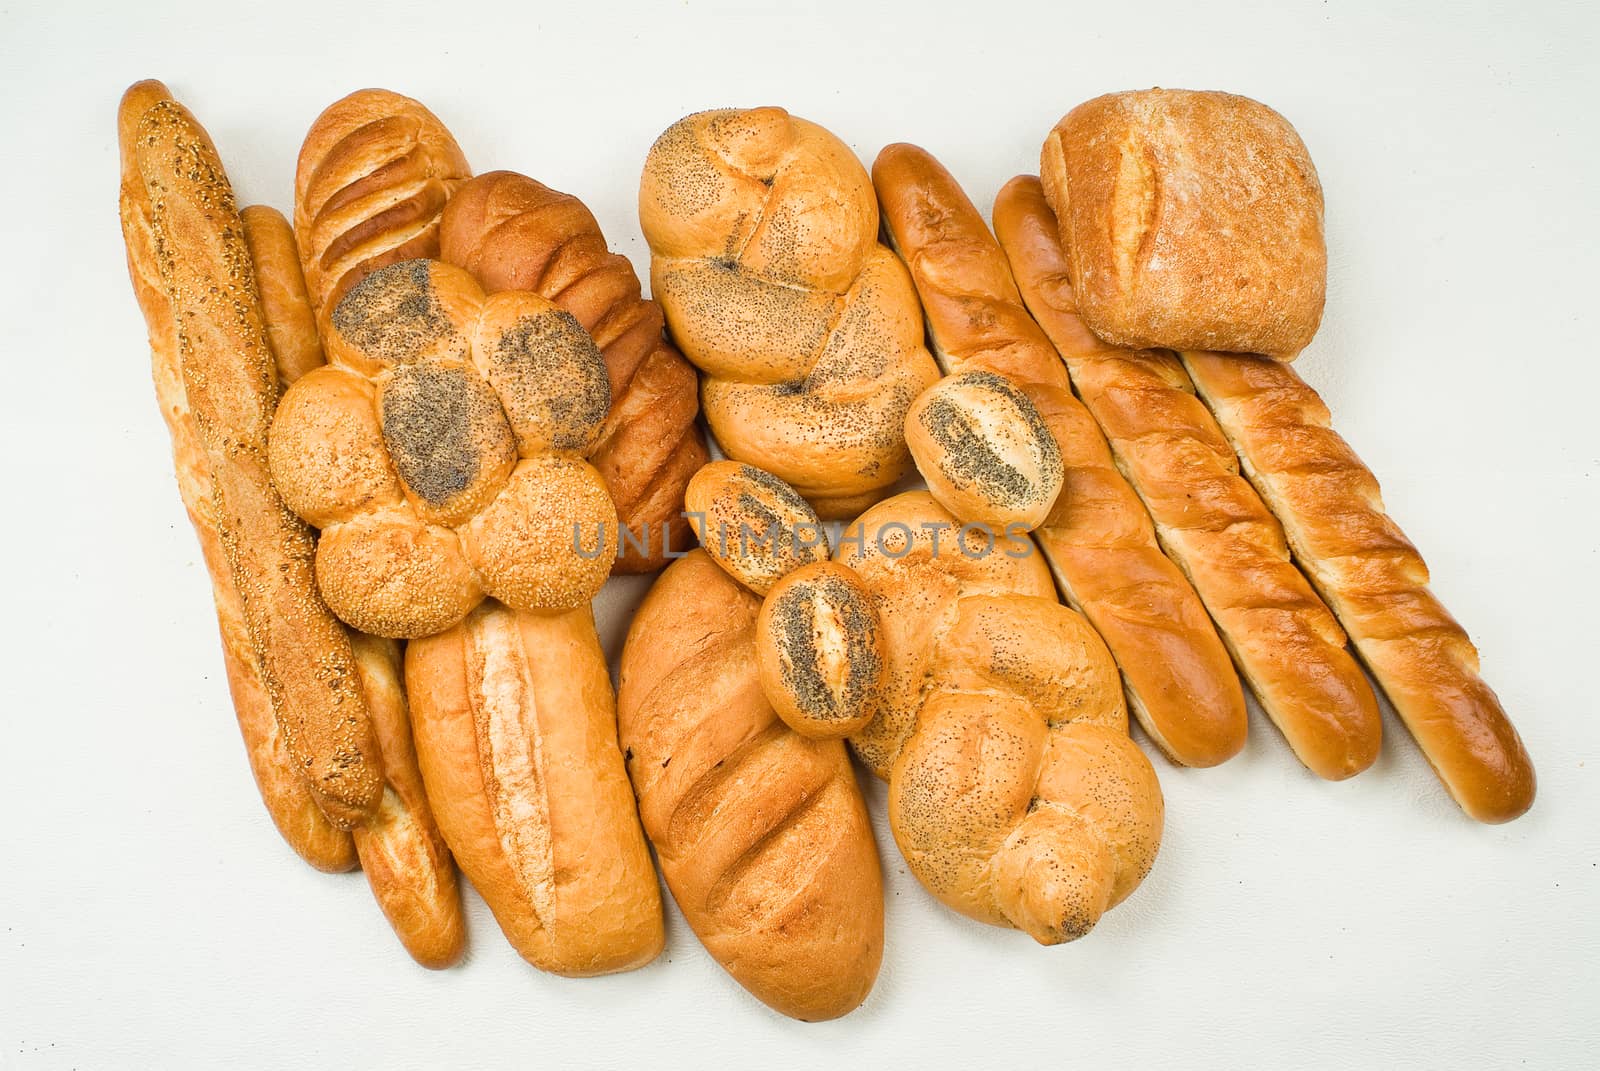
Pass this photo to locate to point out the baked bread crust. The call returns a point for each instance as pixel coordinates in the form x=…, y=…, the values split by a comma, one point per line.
x=761, y=833
x=516, y=735
x=441, y=453
x=196, y=244
x=1193, y=220
x=1097, y=536
x=1372, y=577
x=513, y=233
x=1286, y=643
x=1015, y=794
x=763, y=233
x=373, y=176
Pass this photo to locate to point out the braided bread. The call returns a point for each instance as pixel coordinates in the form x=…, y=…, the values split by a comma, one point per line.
x=1015, y=794
x=1096, y=536
x=763, y=232
x=1286, y=643
x=760, y=830
x=513, y=233
x=1372, y=577
x=441, y=453
x=373, y=177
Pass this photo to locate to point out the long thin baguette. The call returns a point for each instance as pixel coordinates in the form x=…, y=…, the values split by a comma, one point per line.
x=402, y=851
x=1098, y=539
x=1371, y=576
x=285, y=306
x=284, y=791
x=229, y=380
x=1285, y=641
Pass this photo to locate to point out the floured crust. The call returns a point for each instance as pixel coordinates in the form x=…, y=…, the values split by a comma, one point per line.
x=763, y=234
x=1193, y=220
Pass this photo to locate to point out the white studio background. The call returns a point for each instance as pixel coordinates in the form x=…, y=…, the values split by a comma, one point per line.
x=152, y=918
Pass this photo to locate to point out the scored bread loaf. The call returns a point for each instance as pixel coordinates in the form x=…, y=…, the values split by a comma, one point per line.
x=1097, y=537
x=402, y=852
x=373, y=176
x=1285, y=641
x=441, y=453
x=1191, y=220
x=761, y=833
x=1371, y=576
x=230, y=386
x=1015, y=794
x=513, y=233
x=286, y=794
x=763, y=234
x=516, y=734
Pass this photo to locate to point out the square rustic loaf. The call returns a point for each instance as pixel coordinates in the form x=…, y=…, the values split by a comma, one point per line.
x=1192, y=221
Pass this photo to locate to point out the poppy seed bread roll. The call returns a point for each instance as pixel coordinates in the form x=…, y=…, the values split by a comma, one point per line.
x=819, y=651
x=441, y=452
x=763, y=234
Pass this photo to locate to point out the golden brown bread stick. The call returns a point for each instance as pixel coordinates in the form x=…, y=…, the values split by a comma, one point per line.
x=1097, y=538
x=1371, y=576
x=1285, y=641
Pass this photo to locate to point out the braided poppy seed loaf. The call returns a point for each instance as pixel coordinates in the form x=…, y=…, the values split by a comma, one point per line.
x=440, y=452
x=372, y=180
x=763, y=230
x=1015, y=794
x=513, y=233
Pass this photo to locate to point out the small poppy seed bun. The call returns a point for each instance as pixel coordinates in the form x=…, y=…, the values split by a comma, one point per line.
x=754, y=525
x=987, y=455
x=819, y=651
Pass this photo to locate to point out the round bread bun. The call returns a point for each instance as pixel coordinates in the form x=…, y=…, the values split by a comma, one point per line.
x=987, y=455
x=819, y=651
x=754, y=525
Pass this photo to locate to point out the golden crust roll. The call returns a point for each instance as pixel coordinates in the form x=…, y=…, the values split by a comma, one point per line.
x=1015, y=794
x=819, y=651
x=761, y=833
x=1287, y=644
x=516, y=736
x=1191, y=220
x=441, y=453
x=754, y=525
x=765, y=258
x=1372, y=577
x=373, y=176
x=513, y=233
x=196, y=242
x=1097, y=536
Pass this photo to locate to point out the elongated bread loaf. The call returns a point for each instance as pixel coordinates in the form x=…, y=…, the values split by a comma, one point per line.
x=1097, y=537
x=516, y=734
x=196, y=242
x=513, y=233
x=281, y=285
x=1285, y=641
x=402, y=852
x=374, y=173
x=1371, y=576
x=761, y=833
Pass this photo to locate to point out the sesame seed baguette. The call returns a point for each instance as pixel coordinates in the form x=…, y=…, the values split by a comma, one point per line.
x=1371, y=576
x=287, y=796
x=231, y=387
x=1286, y=643
x=1097, y=536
